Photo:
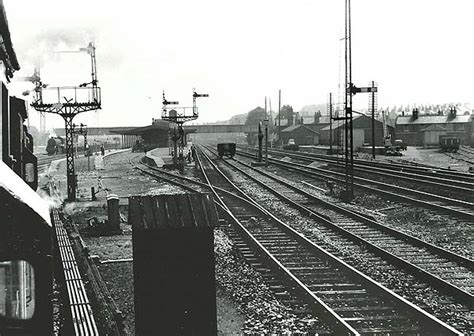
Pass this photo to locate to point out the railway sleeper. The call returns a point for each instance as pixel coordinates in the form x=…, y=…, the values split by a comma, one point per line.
x=336, y=286
x=355, y=291
x=295, y=264
x=389, y=331
x=322, y=277
x=342, y=311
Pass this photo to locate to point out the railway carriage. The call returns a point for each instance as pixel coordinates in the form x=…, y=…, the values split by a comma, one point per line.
x=25, y=259
x=227, y=149
x=449, y=143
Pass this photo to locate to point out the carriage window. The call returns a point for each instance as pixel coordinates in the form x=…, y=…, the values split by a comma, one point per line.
x=17, y=289
x=30, y=172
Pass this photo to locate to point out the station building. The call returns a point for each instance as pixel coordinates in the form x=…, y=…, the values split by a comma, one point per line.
x=425, y=130
x=321, y=125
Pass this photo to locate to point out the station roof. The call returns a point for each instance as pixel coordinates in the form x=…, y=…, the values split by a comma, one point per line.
x=144, y=129
x=17, y=189
x=97, y=130
x=7, y=53
x=158, y=125
x=432, y=119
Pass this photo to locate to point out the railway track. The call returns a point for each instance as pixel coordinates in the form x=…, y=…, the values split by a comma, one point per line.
x=444, y=178
x=444, y=270
x=44, y=161
x=81, y=311
x=348, y=301
x=458, y=208
x=464, y=153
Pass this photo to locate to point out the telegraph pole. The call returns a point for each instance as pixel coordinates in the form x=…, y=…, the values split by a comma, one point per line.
x=348, y=130
x=266, y=134
x=330, y=123
x=351, y=90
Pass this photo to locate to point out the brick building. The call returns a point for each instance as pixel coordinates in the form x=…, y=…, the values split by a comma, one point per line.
x=425, y=130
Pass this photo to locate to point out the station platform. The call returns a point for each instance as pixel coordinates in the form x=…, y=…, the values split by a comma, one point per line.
x=161, y=157
x=114, y=175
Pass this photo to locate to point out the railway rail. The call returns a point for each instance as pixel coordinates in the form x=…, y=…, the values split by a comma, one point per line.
x=452, y=179
x=458, y=208
x=82, y=316
x=348, y=301
x=44, y=161
x=443, y=269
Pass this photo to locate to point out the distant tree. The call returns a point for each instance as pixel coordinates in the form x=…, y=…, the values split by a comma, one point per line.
x=286, y=112
x=253, y=118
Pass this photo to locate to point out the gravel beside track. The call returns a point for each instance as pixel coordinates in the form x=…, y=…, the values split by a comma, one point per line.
x=443, y=230
x=404, y=284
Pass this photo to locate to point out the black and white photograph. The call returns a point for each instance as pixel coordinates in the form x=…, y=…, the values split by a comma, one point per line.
x=252, y=167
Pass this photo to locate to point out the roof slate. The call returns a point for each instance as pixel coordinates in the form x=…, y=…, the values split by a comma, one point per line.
x=432, y=119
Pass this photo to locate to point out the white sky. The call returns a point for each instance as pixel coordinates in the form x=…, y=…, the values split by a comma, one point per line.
x=418, y=51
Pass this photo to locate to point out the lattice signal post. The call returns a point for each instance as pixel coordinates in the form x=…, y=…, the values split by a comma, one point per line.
x=351, y=90
x=69, y=101
x=178, y=116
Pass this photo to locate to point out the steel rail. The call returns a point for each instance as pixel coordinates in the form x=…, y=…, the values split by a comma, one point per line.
x=455, y=207
x=426, y=318
x=434, y=174
x=81, y=311
x=434, y=280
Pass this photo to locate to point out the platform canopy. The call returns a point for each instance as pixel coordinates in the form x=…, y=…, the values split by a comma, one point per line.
x=158, y=125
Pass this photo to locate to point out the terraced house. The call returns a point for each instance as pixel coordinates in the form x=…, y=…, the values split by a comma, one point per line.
x=425, y=130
